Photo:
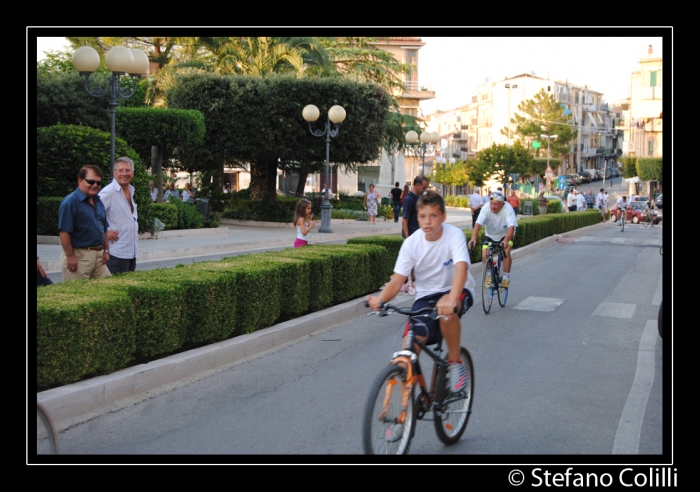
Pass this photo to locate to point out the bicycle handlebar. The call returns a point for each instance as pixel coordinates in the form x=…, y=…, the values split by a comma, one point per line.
x=495, y=245
x=430, y=311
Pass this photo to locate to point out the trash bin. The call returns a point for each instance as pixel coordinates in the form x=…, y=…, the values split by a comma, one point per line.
x=203, y=206
x=527, y=208
x=317, y=202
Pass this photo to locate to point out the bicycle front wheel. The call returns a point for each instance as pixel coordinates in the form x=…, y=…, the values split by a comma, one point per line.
x=451, y=420
x=622, y=225
x=646, y=222
x=502, y=295
x=386, y=427
x=46, y=439
x=487, y=291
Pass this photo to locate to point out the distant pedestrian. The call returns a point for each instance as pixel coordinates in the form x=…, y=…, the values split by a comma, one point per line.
x=590, y=200
x=396, y=200
x=171, y=191
x=154, y=191
x=580, y=202
x=475, y=204
x=514, y=202
x=410, y=215
x=370, y=201
x=602, y=204
x=543, y=203
x=304, y=222
x=187, y=195
x=82, y=229
x=571, y=201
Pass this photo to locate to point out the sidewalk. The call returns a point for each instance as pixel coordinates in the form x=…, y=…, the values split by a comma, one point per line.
x=233, y=236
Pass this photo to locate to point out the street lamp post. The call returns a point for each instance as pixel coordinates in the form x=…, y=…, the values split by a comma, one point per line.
x=336, y=115
x=426, y=138
x=549, y=138
x=120, y=61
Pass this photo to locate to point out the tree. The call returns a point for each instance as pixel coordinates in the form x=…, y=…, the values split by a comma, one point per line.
x=499, y=161
x=155, y=132
x=257, y=121
x=543, y=115
x=650, y=169
x=629, y=167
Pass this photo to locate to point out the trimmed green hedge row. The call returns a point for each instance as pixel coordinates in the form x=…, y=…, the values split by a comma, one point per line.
x=88, y=328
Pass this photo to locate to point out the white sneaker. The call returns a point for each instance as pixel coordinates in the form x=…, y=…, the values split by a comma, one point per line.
x=457, y=373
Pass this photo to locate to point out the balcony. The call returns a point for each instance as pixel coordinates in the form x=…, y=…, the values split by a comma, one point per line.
x=651, y=93
x=562, y=97
x=415, y=91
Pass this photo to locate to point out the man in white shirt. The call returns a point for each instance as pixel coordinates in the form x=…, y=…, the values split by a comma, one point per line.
x=571, y=201
x=580, y=202
x=475, y=204
x=123, y=231
x=500, y=224
x=601, y=202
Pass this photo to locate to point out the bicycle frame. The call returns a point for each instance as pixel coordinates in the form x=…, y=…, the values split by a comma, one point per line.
x=428, y=399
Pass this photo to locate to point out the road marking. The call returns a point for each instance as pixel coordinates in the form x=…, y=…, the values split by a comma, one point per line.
x=615, y=310
x=546, y=304
x=629, y=428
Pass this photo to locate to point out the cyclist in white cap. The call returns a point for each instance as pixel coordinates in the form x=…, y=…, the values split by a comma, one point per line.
x=500, y=224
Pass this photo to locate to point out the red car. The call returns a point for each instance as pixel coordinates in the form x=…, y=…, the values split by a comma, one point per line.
x=635, y=214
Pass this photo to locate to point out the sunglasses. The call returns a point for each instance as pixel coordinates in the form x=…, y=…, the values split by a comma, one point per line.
x=92, y=182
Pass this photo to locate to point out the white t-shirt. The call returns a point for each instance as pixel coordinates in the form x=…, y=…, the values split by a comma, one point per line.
x=154, y=194
x=496, y=225
x=622, y=204
x=601, y=200
x=580, y=201
x=475, y=200
x=433, y=262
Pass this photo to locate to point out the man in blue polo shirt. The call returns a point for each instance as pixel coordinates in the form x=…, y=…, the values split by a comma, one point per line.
x=409, y=225
x=82, y=229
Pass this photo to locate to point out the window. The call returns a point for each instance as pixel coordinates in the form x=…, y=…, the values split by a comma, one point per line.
x=653, y=78
x=651, y=148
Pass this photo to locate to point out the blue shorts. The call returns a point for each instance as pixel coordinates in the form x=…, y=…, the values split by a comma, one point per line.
x=424, y=326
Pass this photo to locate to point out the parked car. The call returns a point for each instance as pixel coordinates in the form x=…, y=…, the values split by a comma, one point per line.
x=595, y=175
x=556, y=198
x=635, y=214
x=577, y=179
x=585, y=177
x=659, y=201
x=571, y=180
x=614, y=172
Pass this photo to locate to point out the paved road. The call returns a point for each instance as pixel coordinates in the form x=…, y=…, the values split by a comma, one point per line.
x=571, y=366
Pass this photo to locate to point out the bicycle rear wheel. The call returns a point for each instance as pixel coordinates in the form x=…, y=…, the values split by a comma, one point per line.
x=383, y=431
x=487, y=292
x=451, y=420
x=46, y=439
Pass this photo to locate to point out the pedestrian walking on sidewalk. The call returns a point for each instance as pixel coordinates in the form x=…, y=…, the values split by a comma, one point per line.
x=304, y=222
x=396, y=200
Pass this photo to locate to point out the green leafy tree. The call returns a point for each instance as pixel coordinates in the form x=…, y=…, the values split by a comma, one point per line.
x=650, y=169
x=543, y=115
x=629, y=167
x=499, y=161
x=155, y=132
x=257, y=121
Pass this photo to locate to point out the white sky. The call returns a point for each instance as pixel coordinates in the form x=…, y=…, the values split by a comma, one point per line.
x=455, y=66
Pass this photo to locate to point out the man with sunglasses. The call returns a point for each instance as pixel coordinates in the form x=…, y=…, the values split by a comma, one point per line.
x=83, y=227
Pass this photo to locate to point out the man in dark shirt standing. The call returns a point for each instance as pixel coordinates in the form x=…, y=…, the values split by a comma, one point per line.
x=396, y=200
x=410, y=215
x=82, y=229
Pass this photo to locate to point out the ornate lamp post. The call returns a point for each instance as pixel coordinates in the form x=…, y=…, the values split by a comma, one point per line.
x=549, y=138
x=120, y=61
x=336, y=115
x=428, y=140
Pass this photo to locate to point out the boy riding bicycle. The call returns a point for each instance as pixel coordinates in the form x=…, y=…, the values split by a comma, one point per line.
x=438, y=255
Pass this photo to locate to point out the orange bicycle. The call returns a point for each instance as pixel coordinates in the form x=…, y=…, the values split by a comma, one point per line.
x=392, y=408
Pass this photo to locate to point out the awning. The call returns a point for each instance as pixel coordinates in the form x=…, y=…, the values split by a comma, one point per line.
x=633, y=180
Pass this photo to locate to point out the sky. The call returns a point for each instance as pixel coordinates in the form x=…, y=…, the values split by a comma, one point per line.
x=455, y=66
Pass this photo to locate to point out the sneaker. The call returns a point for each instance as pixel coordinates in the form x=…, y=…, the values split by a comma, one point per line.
x=394, y=433
x=488, y=280
x=505, y=283
x=457, y=374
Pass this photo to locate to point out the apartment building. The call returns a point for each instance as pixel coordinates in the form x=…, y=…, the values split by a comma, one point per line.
x=497, y=103
x=400, y=167
x=643, y=125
